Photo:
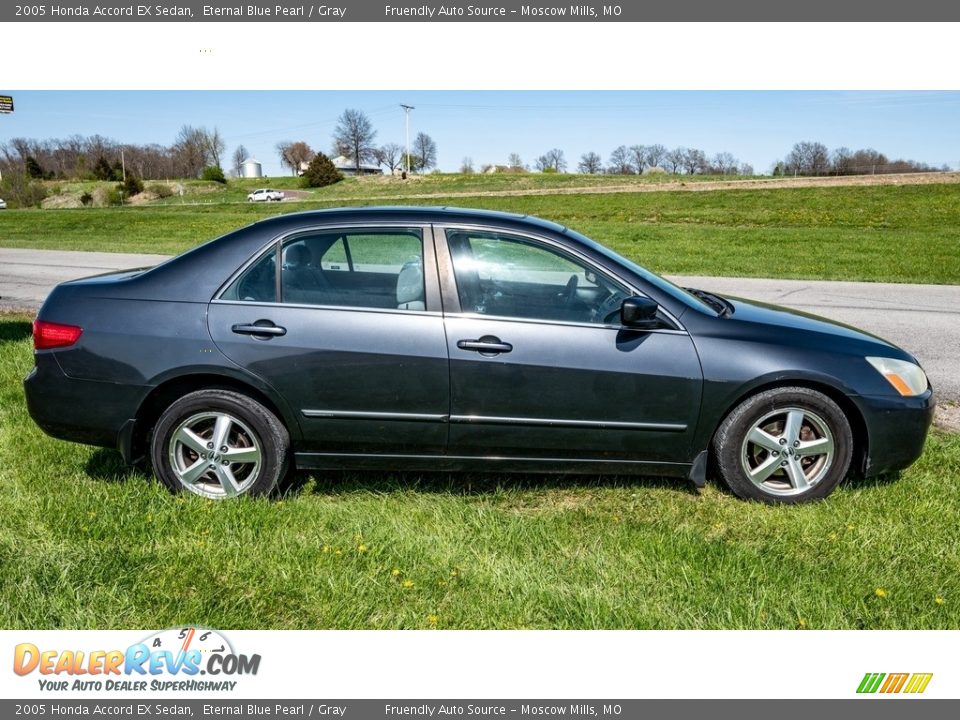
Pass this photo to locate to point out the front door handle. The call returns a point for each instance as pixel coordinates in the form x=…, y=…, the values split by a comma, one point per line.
x=487, y=345
x=261, y=329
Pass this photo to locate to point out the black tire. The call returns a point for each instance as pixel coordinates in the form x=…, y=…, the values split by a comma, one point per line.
x=253, y=430
x=790, y=477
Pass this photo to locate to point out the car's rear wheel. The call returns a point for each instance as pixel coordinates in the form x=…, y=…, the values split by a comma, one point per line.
x=785, y=445
x=219, y=444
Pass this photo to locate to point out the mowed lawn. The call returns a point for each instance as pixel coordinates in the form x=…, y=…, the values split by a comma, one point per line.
x=86, y=543
x=892, y=233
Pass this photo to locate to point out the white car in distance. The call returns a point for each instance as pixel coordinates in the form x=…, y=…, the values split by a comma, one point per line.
x=265, y=195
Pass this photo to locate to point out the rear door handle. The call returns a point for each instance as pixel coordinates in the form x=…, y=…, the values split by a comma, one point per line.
x=261, y=328
x=487, y=345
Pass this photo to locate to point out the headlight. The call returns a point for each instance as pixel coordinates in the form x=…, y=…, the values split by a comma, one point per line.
x=907, y=379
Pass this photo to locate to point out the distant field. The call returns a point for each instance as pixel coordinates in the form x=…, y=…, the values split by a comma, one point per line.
x=890, y=233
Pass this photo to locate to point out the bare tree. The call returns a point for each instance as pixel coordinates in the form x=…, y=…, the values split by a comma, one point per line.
x=674, y=159
x=808, y=158
x=638, y=156
x=694, y=161
x=239, y=156
x=746, y=169
x=590, y=163
x=842, y=161
x=191, y=151
x=655, y=155
x=354, y=136
x=216, y=145
x=724, y=163
x=425, y=151
x=466, y=167
x=514, y=161
x=390, y=155
x=552, y=161
x=282, y=149
x=620, y=161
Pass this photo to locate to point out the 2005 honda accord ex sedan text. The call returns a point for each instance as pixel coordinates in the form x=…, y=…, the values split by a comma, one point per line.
x=444, y=339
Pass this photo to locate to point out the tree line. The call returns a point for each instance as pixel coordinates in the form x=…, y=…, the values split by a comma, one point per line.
x=813, y=158
x=96, y=157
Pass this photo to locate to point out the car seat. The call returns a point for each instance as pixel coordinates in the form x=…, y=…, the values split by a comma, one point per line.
x=410, y=286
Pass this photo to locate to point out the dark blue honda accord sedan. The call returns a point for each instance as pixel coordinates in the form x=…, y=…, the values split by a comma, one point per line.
x=446, y=339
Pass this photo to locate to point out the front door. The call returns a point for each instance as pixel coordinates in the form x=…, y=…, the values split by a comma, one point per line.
x=344, y=326
x=540, y=367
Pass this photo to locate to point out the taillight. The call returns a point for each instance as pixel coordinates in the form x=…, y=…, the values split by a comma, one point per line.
x=48, y=335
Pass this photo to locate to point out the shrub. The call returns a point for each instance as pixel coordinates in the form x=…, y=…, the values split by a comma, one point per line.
x=320, y=172
x=213, y=173
x=160, y=190
x=20, y=191
x=113, y=197
x=131, y=186
x=86, y=199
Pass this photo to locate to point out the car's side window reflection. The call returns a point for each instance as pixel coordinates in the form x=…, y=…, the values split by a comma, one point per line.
x=509, y=276
x=357, y=268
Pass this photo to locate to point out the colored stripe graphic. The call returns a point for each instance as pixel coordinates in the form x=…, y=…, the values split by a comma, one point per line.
x=894, y=683
x=918, y=683
x=870, y=682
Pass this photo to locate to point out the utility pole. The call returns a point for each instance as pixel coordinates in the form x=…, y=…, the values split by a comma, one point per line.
x=406, y=110
x=123, y=165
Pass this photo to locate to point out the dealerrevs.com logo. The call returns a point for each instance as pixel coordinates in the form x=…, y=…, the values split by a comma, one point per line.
x=890, y=683
x=179, y=659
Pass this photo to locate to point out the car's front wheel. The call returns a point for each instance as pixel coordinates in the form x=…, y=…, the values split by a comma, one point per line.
x=784, y=445
x=219, y=444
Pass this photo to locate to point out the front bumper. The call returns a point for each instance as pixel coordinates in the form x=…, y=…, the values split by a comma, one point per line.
x=896, y=430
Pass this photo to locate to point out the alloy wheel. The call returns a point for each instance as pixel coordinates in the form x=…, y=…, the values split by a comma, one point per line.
x=215, y=455
x=788, y=451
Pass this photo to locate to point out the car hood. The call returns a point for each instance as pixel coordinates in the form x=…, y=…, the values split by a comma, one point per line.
x=751, y=316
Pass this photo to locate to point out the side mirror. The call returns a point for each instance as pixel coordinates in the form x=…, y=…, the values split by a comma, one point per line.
x=639, y=313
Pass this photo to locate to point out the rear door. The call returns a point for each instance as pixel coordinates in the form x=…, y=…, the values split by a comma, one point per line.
x=345, y=324
x=540, y=366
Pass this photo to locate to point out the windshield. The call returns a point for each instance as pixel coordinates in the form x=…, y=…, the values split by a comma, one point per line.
x=658, y=282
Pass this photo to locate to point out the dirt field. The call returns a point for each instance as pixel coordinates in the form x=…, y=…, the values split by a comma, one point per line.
x=939, y=178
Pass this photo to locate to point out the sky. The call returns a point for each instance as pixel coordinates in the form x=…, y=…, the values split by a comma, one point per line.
x=758, y=127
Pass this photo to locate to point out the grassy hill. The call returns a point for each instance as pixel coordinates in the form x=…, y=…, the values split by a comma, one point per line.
x=897, y=233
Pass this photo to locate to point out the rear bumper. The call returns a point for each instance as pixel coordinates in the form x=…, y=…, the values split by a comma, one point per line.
x=83, y=411
x=897, y=429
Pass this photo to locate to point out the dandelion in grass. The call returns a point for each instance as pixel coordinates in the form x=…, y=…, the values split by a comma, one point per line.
x=432, y=620
x=455, y=572
x=833, y=537
x=407, y=584
x=338, y=551
x=802, y=624
x=327, y=548
x=361, y=548
x=880, y=592
x=939, y=600
x=395, y=572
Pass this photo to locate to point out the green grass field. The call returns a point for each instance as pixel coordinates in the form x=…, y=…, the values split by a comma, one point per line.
x=908, y=233
x=86, y=543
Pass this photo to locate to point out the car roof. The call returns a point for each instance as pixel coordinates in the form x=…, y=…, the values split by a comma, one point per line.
x=413, y=214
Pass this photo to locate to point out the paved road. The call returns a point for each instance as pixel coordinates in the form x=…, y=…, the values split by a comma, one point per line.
x=925, y=319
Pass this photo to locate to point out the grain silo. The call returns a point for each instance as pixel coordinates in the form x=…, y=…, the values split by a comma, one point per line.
x=251, y=168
